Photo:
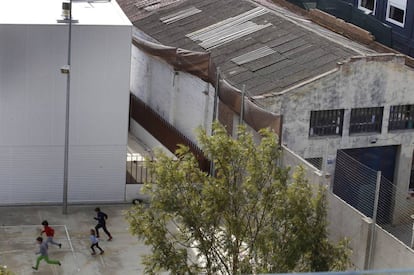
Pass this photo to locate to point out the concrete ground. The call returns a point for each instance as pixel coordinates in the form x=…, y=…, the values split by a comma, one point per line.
x=20, y=225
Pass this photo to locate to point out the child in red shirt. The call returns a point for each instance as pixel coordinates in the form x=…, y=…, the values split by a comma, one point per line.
x=50, y=232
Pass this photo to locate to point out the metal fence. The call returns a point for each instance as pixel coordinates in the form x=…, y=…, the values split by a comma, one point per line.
x=163, y=131
x=351, y=14
x=375, y=196
x=365, y=272
x=137, y=172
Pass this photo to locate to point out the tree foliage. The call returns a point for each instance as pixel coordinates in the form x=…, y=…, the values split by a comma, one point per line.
x=250, y=217
x=5, y=271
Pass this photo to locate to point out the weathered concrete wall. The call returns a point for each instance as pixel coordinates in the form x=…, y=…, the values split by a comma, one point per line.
x=387, y=245
x=362, y=82
x=313, y=175
x=347, y=222
x=343, y=220
x=181, y=98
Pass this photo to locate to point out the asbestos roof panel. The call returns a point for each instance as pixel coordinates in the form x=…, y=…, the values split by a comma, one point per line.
x=138, y=9
x=264, y=62
x=229, y=29
x=253, y=55
x=172, y=18
x=300, y=51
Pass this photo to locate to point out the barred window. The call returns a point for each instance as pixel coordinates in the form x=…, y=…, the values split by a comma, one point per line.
x=366, y=120
x=401, y=117
x=316, y=162
x=326, y=123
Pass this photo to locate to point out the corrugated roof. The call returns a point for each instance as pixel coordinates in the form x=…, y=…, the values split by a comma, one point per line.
x=153, y=5
x=253, y=55
x=229, y=29
x=299, y=53
x=177, y=16
x=138, y=9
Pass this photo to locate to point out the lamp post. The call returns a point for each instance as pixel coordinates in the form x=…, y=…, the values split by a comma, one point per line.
x=66, y=150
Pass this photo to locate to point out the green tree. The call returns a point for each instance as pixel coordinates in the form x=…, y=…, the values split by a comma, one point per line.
x=249, y=217
x=5, y=271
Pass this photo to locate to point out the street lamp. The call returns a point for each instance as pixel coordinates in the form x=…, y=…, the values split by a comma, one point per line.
x=67, y=18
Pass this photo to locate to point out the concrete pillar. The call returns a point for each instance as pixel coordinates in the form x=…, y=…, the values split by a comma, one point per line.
x=345, y=128
x=366, y=237
x=401, y=182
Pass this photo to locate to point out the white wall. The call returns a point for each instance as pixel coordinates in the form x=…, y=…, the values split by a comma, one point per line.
x=182, y=99
x=32, y=112
x=99, y=112
x=32, y=96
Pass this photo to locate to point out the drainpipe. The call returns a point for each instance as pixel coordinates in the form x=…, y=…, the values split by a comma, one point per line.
x=412, y=234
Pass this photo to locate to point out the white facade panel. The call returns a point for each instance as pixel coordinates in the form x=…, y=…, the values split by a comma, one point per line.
x=46, y=12
x=32, y=110
x=32, y=89
x=100, y=72
x=97, y=173
x=28, y=172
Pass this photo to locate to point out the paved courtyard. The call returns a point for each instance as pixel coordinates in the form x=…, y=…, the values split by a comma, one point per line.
x=19, y=227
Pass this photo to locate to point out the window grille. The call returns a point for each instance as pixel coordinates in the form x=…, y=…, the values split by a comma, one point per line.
x=316, y=162
x=396, y=10
x=326, y=123
x=401, y=117
x=366, y=120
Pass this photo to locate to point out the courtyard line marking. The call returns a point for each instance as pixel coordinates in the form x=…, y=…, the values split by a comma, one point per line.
x=54, y=269
x=71, y=248
x=102, y=260
x=11, y=251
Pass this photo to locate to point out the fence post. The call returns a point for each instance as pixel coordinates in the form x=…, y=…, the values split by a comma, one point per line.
x=242, y=104
x=374, y=222
x=412, y=234
x=216, y=94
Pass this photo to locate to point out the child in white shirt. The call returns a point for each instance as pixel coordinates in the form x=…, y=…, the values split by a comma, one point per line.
x=95, y=242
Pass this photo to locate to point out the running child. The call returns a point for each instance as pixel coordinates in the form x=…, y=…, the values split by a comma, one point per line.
x=50, y=233
x=43, y=247
x=101, y=217
x=95, y=242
